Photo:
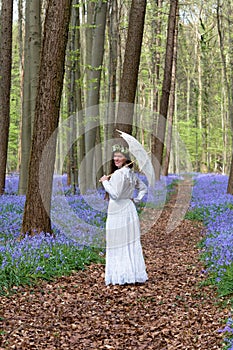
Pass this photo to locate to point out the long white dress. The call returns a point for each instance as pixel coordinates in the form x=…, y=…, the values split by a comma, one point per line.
x=124, y=256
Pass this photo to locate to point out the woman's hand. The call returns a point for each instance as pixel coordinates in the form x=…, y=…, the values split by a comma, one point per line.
x=103, y=178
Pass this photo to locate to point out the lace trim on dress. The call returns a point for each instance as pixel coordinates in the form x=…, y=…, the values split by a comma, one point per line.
x=123, y=279
x=129, y=175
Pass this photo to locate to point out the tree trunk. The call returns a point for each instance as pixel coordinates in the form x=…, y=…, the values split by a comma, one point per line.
x=79, y=105
x=204, y=45
x=222, y=51
x=89, y=28
x=129, y=77
x=230, y=12
x=32, y=47
x=224, y=119
x=199, y=108
x=230, y=181
x=5, y=84
x=20, y=40
x=36, y=216
x=156, y=64
x=157, y=56
x=72, y=163
x=158, y=146
x=113, y=30
x=92, y=114
x=171, y=102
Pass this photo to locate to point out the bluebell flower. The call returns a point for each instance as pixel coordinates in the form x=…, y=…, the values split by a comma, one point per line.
x=80, y=223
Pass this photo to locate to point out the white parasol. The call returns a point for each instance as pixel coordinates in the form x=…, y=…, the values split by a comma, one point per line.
x=142, y=157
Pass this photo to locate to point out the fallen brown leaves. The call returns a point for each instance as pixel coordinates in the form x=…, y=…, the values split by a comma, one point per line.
x=169, y=312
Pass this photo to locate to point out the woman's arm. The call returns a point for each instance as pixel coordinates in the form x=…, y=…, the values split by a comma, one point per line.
x=142, y=190
x=115, y=185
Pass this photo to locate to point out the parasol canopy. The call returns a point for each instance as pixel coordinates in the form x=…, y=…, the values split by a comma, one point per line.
x=141, y=155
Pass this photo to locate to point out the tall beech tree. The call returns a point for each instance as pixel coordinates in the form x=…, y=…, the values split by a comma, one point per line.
x=230, y=13
x=36, y=216
x=156, y=54
x=79, y=93
x=5, y=84
x=203, y=88
x=230, y=181
x=129, y=79
x=157, y=145
x=156, y=68
x=171, y=103
x=72, y=66
x=222, y=47
x=113, y=40
x=97, y=40
x=31, y=58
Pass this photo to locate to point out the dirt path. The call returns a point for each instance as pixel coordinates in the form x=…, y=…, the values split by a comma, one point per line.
x=170, y=312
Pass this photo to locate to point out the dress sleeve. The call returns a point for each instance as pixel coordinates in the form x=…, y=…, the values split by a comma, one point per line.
x=115, y=185
x=142, y=190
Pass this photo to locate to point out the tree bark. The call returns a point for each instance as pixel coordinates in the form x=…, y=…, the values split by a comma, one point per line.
x=129, y=77
x=156, y=65
x=230, y=181
x=36, y=216
x=92, y=114
x=20, y=40
x=204, y=45
x=158, y=146
x=229, y=18
x=72, y=161
x=199, y=106
x=113, y=30
x=32, y=47
x=90, y=22
x=5, y=84
x=171, y=102
x=79, y=104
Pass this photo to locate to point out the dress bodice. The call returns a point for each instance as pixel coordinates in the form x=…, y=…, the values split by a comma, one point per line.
x=122, y=184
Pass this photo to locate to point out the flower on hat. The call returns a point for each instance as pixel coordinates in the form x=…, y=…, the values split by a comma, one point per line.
x=120, y=148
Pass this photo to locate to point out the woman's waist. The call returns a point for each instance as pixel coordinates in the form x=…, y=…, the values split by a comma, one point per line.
x=120, y=201
x=120, y=205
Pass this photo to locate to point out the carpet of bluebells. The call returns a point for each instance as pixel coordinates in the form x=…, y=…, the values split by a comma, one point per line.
x=79, y=227
x=78, y=224
x=211, y=204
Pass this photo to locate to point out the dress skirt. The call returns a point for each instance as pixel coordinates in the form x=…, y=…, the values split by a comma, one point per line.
x=124, y=256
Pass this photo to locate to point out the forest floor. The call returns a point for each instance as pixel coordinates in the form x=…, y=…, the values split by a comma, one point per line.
x=171, y=311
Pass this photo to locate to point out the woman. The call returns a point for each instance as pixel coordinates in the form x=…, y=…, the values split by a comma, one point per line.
x=124, y=257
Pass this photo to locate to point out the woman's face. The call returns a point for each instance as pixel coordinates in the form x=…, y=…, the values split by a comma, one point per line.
x=119, y=159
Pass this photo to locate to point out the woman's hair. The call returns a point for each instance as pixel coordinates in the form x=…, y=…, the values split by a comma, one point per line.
x=113, y=167
x=128, y=161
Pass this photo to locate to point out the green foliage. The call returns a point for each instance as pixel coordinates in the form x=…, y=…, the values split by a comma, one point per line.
x=201, y=94
x=191, y=136
x=62, y=260
x=198, y=59
x=225, y=285
x=195, y=214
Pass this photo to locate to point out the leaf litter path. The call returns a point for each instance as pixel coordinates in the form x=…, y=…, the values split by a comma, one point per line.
x=169, y=312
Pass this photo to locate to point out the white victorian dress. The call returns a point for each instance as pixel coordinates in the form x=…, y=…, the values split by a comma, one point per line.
x=124, y=256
